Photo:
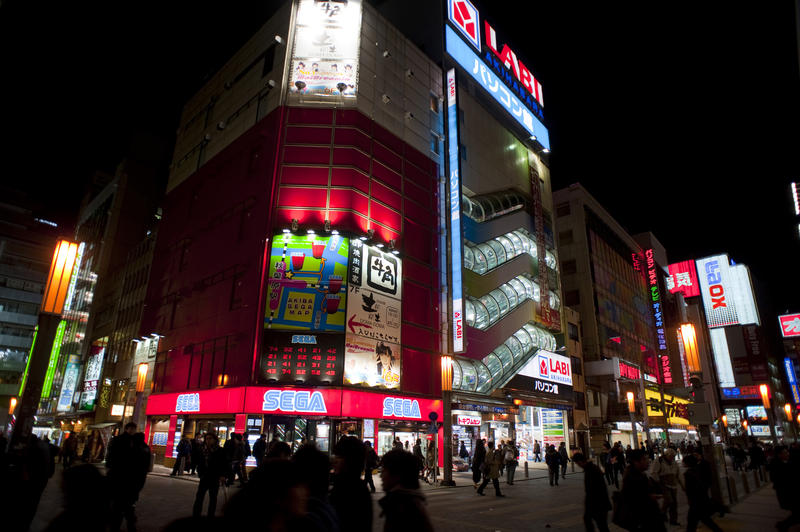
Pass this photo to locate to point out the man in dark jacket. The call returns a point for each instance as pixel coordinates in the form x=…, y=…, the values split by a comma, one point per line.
x=213, y=469
x=404, y=504
x=553, y=460
x=700, y=504
x=260, y=449
x=477, y=463
x=126, y=470
x=350, y=496
x=785, y=473
x=597, y=503
x=370, y=463
x=184, y=456
x=638, y=499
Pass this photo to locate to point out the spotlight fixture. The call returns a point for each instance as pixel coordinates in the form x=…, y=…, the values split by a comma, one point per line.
x=327, y=226
x=311, y=232
x=395, y=252
x=279, y=39
x=295, y=224
x=533, y=137
x=334, y=231
x=546, y=150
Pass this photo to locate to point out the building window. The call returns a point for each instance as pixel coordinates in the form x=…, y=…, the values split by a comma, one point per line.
x=435, y=143
x=565, y=237
x=562, y=210
x=434, y=103
x=580, y=401
x=577, y=367
x=572, y=298
x=572, y=330
x=569, y=267
x=595, y=398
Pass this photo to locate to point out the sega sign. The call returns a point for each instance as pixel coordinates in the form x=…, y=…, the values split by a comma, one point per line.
x=487, y=78
x=187, y=402
x=401, y=407
x=302, y=401
x=466, y=19
x=553, y=368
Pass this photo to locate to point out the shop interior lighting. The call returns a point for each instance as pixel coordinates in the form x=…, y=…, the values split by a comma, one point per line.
x=379, y=245
x=286, y=230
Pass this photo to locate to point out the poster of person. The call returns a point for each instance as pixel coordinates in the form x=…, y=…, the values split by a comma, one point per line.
x=307, y=286
x=373, y=315
x=369, y=362
x=325, y=49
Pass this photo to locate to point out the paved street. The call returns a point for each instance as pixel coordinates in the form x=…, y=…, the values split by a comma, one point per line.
x=529, y=505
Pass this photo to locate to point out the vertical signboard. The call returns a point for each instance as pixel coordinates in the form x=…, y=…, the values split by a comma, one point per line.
x=651, y=276
x=553, y=429
x=727, y=292
x=791, y=377
x=325, y=50
x=55, y=352
x=94, y=368
x=70, y=382
x=790, y=325
x=307, y=285
x=722, y=357
x=455, y=214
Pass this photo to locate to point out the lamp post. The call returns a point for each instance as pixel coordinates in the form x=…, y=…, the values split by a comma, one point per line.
x=763, y=389
x=787, y=408
x=631, y=410
x=53, y=299
x=447, y=433
x=725, y=426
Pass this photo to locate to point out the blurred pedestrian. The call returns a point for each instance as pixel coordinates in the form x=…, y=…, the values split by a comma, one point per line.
x=349, y=495
x=597, y=505
x=640, y=500
x=420, y=457
x=313, y=469
x=197, y=453
x=260, y=449
x=127, y=469
x=553, y=461
x=478, y=463
x=69, y=450
x=279, y=449
x=370, y=463
x=404, y=504
x=537, y=451
x=247, y=452
x=491, y=471
x=213, y=470
x=666, y=473
x=785, y=472
x=510, y=458
x=184, y=451
x=564, y=458
x=77, y=482
x=700, y=505
x=605, y=461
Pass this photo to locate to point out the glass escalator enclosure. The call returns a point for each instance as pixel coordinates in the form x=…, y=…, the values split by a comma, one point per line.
x=469, y=258
x=457, y=374
x=469, y=312
x=491, y=256
x=481, y=265
x=516, y=241
x=499, y=250
x=518, y=286
x=502, y=301
x=508, y=246
x=516, y=347
x=555, y=303
x=550, y=260
x=511, y=294
x=469, y=380
x=505, y=356
x=485, y=378
x=492, y=308
x=524, y=339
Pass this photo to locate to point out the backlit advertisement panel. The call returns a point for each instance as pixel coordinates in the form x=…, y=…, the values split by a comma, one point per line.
x=727, y=292
x=790, y=325
x=791, y=377
x=494, y=86
x=373, y=270
x=94, y=368
x=71, y=374
x=683, y=278
x=549, y=367
x=722, y=357
x=373, y=315
x=373, y=363
x=325, y=49
x=456, y=261
x=301, y=358
x=307, y=288
x=673, y=408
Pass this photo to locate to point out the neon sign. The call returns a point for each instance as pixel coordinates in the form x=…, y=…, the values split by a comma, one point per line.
x=627, y=371
x=792, y=378
x=658, y=315
x=399, y=407
x=455, y=214
x=294, y=401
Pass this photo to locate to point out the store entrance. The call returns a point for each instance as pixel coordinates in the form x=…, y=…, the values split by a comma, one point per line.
x=407, y=432
x=221, y=427
x=297, y=430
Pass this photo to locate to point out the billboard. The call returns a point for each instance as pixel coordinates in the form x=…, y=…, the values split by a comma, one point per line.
x=683, y=278
x=790, y=325
x=373, y=315
x=550, y=367
x=94, y=368
x=756, y=413
x=370, y=362
x=71, y=374
x=307, y=288
x=301, y=358
x=791, y=378
x=325, y=50
x=722, y=357
x=372, y=269
x=727, y=292
x=673, y=408
x=457, y=298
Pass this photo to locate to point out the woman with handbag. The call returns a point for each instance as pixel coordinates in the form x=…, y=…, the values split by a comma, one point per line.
x=478, y=462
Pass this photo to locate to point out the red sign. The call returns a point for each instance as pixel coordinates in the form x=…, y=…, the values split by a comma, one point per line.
x=513, y=64
x=626, y=371
x=465, y=17
x=683, y=278
x=218, y=401
x=790, y=325
x=388, y=406
x=294, y=401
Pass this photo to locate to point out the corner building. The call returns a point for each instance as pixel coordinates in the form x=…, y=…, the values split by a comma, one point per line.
x=296, y=277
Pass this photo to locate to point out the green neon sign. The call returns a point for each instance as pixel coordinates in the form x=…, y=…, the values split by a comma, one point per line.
x=28, y=363
x=53, y=363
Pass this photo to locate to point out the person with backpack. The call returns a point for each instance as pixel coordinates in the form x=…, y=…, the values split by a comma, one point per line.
x=478, y=462
x=553, y=460
x=510, y=458
x=494, y=457
x=184, y=456
x=537, y=451
x=370, y=463
x=666, y=473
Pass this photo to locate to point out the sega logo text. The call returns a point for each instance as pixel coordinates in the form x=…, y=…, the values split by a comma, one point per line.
x=294, y=401
x=188, y=402
x=399, y=407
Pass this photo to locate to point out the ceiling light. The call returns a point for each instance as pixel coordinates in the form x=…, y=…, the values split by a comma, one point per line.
x=310, y=232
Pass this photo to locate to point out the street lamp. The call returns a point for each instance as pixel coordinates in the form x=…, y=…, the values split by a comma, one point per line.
x=631, y=410
x=763, y=389
x=788, y=409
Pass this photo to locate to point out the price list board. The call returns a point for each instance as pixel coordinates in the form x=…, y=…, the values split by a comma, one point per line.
x=302, y=358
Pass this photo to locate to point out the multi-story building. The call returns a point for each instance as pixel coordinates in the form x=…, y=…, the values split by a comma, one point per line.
x=308, y=274
x=26, y=249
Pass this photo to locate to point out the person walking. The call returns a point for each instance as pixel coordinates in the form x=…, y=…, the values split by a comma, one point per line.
x=502, y=449
x=553, y=460
x=510, y=458
x=370, y=463
x=69, y=450
x=608, y=467
x=260, y=449
x=247, y=452
x=597, y=504
x=349, y=495
x=618, y=461
x=785, y=472
x=494, y=457
x=639, y=500
x=430, y=463
x=398, y=445
x=420, y=457
x=236, y=457
x=197, y=453
x=403, y=506
x=213, y=469
x=700, y=505
x=184, y=456
x=478, y=463
x=564, y=458
x=537, y=451
x=127, y=469
x=463, y=453
x=666, y=473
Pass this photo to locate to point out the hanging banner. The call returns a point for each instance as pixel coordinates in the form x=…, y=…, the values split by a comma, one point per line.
x=371, y=362
x=71, y=374
x=307, y=285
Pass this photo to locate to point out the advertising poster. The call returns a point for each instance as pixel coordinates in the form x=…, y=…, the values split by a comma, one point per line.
x=371, y=362
x=373, y=315
x=307, y=286
x=325, y=50
x=94, y=368
x=70, y=382
x=302, y=358
x=372, y=269
x=553, y=429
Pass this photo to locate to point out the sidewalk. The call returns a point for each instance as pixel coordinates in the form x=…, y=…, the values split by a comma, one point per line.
x=757, y=511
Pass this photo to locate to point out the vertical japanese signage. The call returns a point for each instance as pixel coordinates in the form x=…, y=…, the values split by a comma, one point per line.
x=325, y=50
x=455, y=214
x=683, y=278
x=373, y=353
x=94, y=368
x=70, y=382
x=658, y=315
x=52, y=364
x=307, y=285
x=791, y=377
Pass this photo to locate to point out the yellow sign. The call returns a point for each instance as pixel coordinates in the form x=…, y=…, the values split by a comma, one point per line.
x=676, y=408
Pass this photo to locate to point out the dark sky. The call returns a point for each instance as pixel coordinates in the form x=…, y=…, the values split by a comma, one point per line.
x=682, y=120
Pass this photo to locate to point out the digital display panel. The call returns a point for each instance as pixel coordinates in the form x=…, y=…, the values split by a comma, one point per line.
x=301, y=358
x=756, y=413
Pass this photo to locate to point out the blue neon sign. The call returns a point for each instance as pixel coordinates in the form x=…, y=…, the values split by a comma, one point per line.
x=792, y=377
x=485, y=77
x=455, y=213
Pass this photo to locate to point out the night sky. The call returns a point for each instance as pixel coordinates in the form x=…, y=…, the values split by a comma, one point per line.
x=683, y=121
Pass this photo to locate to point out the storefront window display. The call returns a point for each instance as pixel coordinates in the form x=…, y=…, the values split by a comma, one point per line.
x=548, y=426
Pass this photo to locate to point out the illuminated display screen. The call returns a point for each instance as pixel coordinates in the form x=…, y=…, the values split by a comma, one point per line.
x=683, y=278
x=302, y=358
x=727, y=292
x=756, y=413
